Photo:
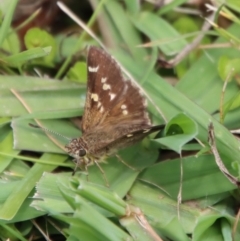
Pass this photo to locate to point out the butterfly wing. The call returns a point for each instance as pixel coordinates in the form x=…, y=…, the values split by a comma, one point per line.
x=133, y=137
x=111, y=100
x=121, y=138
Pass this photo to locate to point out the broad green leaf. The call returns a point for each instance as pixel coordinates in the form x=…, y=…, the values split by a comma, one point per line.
x=179, y=130
x=102, y=197
x=226, y=34
x=40, y=95
x=198, y=172
x=83, y=226
x=209, y=227
x=232, y=104
x=11, y=44
x=168, y=7
x=20, y=192
x=78, y=72
x=17, y=60
x=228, y=68
x=9, y=231
x=122, y=29
x=164, y=37
x=4, y=29
x=162, y=211
x=35, y=37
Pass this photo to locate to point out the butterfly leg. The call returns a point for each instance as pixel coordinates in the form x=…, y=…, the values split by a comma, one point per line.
x=103, y=173
x=86, y=170
x=79, y=163
x=76, y=166
x=123, y=162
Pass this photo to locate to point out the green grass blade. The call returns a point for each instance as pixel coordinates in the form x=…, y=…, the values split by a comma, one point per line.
x=4, y=29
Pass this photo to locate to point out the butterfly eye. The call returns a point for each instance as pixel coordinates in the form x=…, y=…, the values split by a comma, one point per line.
x=81, y=152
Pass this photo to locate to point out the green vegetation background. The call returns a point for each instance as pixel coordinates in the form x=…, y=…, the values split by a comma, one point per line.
x=39, y=199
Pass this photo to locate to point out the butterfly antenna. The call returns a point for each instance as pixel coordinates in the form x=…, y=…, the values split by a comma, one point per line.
x=50, y=131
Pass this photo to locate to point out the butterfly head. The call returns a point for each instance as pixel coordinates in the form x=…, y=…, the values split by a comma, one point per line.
x=77, y=148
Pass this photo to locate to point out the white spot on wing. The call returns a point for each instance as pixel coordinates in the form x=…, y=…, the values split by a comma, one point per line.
x=125, y=112
x=103, y=80
x=112, y=96
x=129, y=135
x=94, y=97
x=146, y=130
x=102, y=109
x=106, y=87
x=123, y=107
x=99, y=104
x=93, y=69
